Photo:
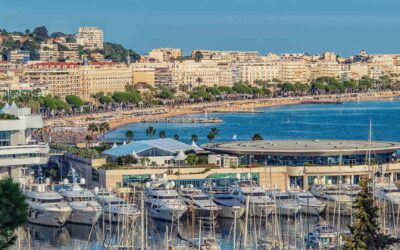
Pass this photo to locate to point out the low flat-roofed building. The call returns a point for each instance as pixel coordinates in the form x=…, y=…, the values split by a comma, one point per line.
x=160, y=151
x=308, y=160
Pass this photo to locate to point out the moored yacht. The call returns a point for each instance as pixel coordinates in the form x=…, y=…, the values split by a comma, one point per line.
x=337, y=200
x=260, y=204
x=388, y=193
x=199, y=203
x=229, y=205
x=116, y=209
x=163, y=202
x=285, y=203
x=45, y=206
x=309, y=205
x=85, y=209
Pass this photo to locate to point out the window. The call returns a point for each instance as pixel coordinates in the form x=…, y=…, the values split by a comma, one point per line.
x=5, y=138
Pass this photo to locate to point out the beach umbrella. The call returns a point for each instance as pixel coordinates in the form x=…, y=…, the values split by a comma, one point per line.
x=114, y=145
x=134, y=154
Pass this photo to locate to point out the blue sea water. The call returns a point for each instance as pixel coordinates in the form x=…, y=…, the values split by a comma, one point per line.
x=349, y=120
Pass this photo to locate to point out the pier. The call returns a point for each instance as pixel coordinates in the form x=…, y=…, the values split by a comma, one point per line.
x=184, y=120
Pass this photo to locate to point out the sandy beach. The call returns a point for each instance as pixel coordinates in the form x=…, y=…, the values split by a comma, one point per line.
x=71, y=129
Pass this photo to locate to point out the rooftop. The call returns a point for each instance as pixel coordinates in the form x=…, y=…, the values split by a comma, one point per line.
x=302, y=147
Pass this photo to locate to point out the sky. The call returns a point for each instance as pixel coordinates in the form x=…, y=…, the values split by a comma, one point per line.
x=278, y=26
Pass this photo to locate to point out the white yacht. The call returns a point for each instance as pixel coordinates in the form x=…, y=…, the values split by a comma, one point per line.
x=85, y=209
x=388, y=193
x=285, y=203
x=336, y=200
x=229, y=205
x=116, y=209
x=163, y=202
x=45, y=206
x=199, y=203
x=260, y=204
x=308, y=203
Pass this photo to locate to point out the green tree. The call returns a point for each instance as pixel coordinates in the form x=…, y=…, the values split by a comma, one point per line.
x=194, y=137
x=40, y=34
x=74, y=100
x=166, y=93
x=211, y=136
x=129, y=134
x=364, y=232
x=257, y=137
x=192, y=159
x=162, y=134
x=176, y=137
x=13, y=211
x=150, y=132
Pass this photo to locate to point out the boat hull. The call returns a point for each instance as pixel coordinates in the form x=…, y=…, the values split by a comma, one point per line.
x=56, y=218
x=229, y=212
x=84, y=216
x=260, y=210
x=312, y=210
x=167, y=214
x=203, y=214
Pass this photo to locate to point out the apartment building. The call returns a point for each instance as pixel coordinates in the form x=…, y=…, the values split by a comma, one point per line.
x=163, y=78
x=19, y=56
x=90, y=37
x=17, y=148
x=329, y=68
x=61, y=79
x=251, y=72
x=165, y=54
x=232, y=56
x=294, y=71
x=108, y=78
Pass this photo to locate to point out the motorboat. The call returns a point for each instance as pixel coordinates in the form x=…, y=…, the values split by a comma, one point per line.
x=198, y=203
x=162, y=201
x=389, y=193
x=46, y=206
x=286, y=204
x=230, y=206
x=85, y=208
x=309, y=205
x=338, y=200
x=116, y=209
x=260, y=204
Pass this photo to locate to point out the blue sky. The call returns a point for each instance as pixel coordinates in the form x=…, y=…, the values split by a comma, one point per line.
x=313, y=26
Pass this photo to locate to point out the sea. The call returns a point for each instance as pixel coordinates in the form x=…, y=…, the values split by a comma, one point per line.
x=349, y=120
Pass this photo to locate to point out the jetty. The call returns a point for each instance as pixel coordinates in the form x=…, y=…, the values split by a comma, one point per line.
x=184, y=120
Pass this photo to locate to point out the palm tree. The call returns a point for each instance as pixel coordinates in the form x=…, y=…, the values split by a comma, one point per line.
x=257, y=137
x=92, y=127
x=129, y=134
x=163, y=134
x=211, y=136
x=150, y=131
x=194, y=137
x=176, y=137
x=215, y=131
x=89, y=139
x=103, y=128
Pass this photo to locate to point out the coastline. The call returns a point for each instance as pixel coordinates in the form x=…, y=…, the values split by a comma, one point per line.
x=121, y=118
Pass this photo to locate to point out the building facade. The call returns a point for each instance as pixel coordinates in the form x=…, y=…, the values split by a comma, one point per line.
x=90, y=37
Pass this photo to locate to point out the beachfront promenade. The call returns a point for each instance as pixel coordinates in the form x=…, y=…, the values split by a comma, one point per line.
x=73, y=128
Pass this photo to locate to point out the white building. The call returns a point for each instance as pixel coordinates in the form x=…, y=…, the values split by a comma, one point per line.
x=90, y=37
x=17, y=148
x=159, y=152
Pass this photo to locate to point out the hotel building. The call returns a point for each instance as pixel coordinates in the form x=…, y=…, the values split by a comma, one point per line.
x=97, y=77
